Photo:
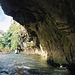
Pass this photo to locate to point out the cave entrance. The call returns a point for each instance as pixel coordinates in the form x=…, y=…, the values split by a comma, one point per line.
x=13, y=36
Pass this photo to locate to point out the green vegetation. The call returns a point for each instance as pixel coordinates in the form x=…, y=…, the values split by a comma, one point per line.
x=10, y=40
x=18, y=38
x=14, y=36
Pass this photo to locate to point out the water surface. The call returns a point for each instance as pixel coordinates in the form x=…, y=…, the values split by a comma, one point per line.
x=20, y=64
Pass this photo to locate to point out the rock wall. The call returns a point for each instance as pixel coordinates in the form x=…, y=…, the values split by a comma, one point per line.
x=53, y=23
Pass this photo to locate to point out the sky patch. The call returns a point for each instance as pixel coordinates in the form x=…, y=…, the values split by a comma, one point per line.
x=5, y=21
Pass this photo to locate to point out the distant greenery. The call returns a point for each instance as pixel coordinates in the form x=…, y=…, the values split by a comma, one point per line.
x=16, y=37
x=10, y=40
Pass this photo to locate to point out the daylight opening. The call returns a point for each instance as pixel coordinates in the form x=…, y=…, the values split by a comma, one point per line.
x=13, y=36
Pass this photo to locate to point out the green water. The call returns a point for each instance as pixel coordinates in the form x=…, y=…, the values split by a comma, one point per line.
x=20, y=64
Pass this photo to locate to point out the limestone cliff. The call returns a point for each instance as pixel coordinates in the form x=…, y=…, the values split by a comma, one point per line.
x=53, y=23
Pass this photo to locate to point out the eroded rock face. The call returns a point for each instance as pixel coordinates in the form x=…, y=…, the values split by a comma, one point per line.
x=51, y=20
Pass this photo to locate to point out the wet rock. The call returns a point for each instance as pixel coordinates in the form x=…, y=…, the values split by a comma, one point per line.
x=4, y=73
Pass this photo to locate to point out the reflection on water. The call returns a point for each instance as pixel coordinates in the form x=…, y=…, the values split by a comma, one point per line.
x=19, y=64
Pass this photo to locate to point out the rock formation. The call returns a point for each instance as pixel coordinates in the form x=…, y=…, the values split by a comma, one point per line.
x=53, y=23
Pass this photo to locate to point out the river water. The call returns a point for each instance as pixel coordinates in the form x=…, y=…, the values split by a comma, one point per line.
x=20, y=64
